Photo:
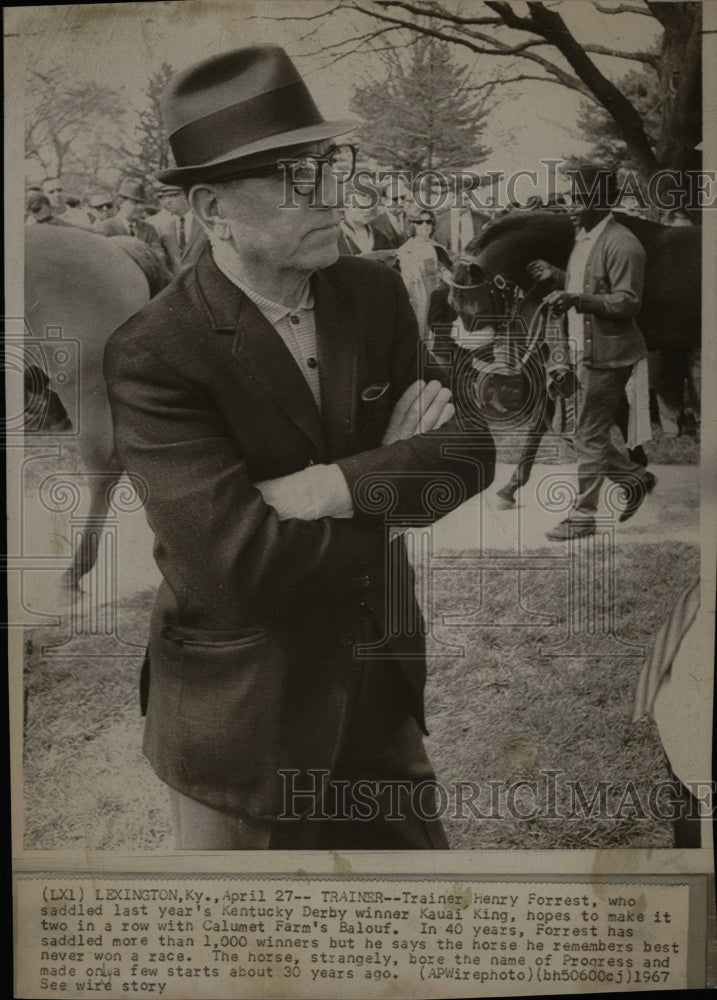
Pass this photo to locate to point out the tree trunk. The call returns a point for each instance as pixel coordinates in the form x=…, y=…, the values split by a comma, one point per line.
x=681, y=86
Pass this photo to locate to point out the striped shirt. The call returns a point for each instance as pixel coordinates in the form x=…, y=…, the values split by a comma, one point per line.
x=296, y=327
x=318, y=490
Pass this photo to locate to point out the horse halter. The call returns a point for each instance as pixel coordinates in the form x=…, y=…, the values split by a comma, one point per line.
x=509, y=292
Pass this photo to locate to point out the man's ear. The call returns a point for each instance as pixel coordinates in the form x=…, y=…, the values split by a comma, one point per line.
x=204, y=201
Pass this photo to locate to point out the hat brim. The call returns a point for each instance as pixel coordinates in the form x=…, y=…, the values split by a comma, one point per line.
x=254, y=154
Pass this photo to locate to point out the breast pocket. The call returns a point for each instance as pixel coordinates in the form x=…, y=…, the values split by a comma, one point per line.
x=373, y=412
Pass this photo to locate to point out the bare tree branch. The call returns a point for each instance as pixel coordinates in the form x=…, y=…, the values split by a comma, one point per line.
x=497, y=48
x=295, y=17
x=623, y=8
x=550, y=25
x=646, y=57
x=438, y=10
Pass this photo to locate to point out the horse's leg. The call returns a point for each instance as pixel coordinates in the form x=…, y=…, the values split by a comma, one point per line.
x=90, y=532
x=526, y=462
x=622, y=420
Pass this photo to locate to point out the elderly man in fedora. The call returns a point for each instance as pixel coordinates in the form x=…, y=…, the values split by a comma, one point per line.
x=128, y=221
x=270, y=401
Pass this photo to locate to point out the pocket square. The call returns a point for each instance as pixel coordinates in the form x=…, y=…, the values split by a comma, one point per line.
x=374, y=391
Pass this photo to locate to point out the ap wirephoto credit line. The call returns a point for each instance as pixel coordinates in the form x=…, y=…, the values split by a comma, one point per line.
x=361, y=497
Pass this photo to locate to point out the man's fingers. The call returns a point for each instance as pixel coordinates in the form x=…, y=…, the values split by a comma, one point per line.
x=433, y=409
x=407, y=400
x=420, y=409
x=449, y=411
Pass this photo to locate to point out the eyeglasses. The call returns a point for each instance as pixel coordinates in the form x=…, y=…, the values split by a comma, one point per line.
x=423, y=222
x=306, y=172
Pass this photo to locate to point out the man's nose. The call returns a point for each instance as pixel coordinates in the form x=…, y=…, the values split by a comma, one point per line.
x=329, y=189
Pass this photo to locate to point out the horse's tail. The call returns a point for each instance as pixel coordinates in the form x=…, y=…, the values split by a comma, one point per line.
x=147, y=260
x=44, y=410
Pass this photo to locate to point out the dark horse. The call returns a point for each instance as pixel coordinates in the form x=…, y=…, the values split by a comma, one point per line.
x=495, y=282
x=81, y=286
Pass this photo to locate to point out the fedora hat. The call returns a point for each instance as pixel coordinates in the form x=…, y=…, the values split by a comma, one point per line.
x=239, y=107
x=131, y=188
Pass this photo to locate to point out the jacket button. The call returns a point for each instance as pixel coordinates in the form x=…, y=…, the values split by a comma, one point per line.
x=346, y=639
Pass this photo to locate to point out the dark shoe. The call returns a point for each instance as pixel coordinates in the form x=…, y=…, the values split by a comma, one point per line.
x=571, y=529
x=636, y=493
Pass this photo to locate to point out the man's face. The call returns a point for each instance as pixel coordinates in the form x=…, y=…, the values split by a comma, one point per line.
x=268, y=232
x=176, y=203
x=102, y=207
x=395, y=197
x=582, y=214
x=54, y=191
x=131, y=210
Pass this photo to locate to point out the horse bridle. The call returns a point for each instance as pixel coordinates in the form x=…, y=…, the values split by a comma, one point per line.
x=510, y=293
x=512, y=297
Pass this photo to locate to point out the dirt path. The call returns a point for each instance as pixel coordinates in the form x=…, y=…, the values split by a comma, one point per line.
x=670, y=513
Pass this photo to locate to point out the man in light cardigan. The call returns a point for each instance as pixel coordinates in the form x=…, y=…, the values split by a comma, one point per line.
x=601, y=291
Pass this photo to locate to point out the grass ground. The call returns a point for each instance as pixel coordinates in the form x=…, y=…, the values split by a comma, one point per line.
x=508, y=713
x=504, y=712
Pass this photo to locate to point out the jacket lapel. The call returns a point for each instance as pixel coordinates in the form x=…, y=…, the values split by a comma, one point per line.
x=339, y=352
x=259, y=349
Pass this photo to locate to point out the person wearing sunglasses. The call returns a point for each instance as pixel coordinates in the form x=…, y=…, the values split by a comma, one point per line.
x=270, y=401
x=102, y=206
x=424, y=265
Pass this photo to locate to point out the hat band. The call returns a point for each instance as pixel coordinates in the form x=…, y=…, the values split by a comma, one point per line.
x=282, y=110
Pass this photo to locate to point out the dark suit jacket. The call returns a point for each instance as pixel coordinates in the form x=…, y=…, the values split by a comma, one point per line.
x=144, y=231
x=382, y=224
x=251, y=647
x=348, y=246
x=196, y=240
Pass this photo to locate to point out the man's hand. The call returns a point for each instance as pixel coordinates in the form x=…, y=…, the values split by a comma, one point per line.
x=561, y=301
x=541, y=270
x=420, y=409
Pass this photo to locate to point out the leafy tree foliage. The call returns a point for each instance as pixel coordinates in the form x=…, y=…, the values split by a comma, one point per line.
x=68, y=123
x=424, y=112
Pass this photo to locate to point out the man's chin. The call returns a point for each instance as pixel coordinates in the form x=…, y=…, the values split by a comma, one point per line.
x=325, y=256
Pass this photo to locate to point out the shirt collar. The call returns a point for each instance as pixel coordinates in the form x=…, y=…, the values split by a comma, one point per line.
x=227, y=261
x=593, y=234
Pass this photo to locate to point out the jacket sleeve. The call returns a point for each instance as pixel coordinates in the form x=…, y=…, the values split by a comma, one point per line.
x=421, y=478
x=625, y=268
x=214, y=532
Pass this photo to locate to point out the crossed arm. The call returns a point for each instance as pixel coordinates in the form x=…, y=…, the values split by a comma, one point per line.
x=321, y=490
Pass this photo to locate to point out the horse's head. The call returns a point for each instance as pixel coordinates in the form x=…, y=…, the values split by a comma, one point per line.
x=477, y=296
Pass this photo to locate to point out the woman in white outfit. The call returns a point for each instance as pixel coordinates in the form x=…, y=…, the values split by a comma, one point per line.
x=424, y=265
